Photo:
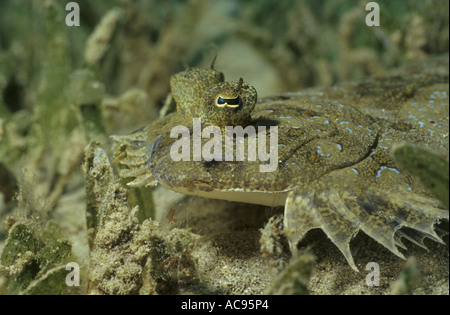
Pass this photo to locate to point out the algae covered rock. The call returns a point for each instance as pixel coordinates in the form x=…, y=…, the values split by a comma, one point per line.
x=32, y=259
x=119, y=244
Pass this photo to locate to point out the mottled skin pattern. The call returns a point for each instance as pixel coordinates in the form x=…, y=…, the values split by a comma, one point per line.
x=335, y=169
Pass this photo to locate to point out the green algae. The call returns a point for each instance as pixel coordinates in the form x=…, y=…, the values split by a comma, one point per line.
x=295, y=278
x=20, y=240
x=86, y=92
x=51, y=283
x=431, y=169
x=409, y=278
x=29, y=255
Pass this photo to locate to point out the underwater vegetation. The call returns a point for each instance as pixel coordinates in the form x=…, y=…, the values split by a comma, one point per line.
x=429, y=168
x=33, y=260
x=64, y=90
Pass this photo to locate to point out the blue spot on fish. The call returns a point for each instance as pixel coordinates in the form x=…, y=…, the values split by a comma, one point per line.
x=389, y=168
x=351, y=131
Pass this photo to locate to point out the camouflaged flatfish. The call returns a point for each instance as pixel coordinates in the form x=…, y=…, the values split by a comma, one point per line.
x=335, y=169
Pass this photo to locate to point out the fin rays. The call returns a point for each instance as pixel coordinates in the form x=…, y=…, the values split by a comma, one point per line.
x=341, y=214
x=131, y=152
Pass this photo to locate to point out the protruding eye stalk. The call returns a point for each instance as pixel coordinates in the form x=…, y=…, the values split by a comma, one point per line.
x=233, y=102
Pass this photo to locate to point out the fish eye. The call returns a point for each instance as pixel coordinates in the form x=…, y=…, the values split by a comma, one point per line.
x=228, y=102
